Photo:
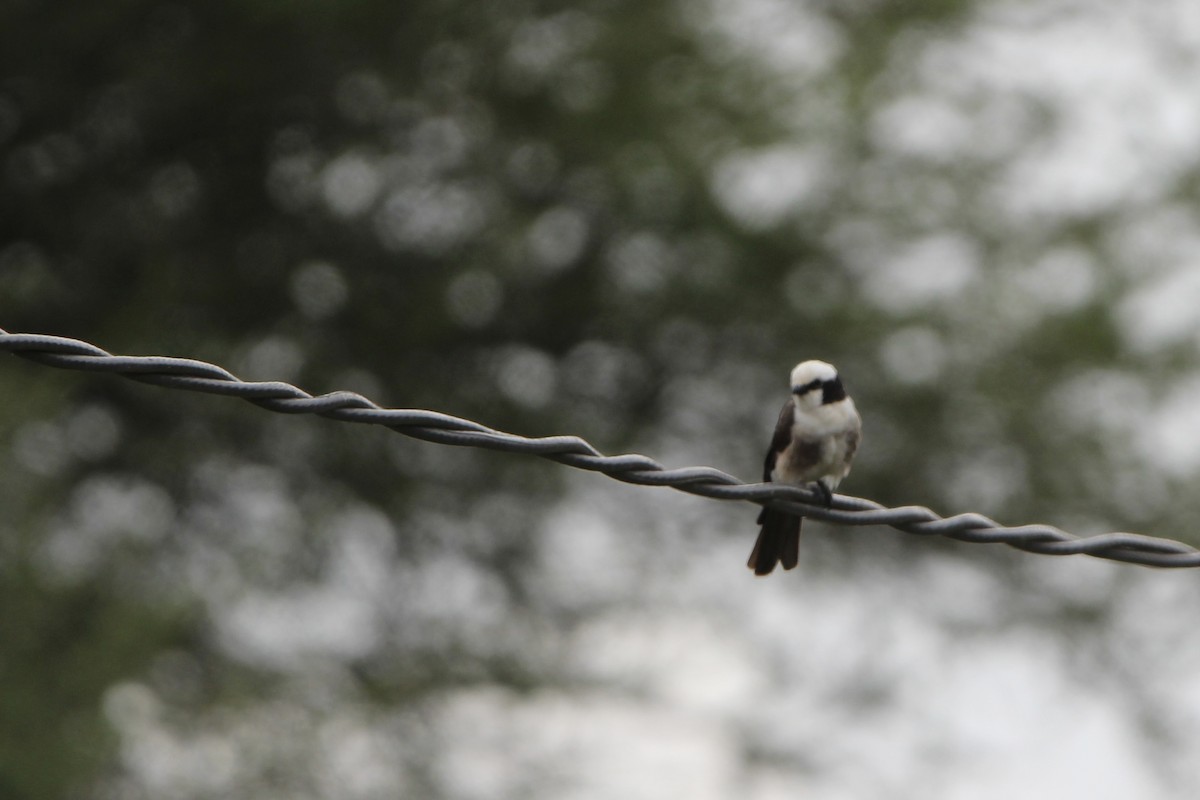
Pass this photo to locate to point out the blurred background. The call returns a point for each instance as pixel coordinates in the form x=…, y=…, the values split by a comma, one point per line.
x=625, y=220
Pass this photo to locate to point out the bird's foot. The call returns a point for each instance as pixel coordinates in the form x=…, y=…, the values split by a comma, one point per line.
x=825, y=493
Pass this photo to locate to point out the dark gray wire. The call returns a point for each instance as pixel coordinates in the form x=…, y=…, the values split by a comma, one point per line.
x=199, y=376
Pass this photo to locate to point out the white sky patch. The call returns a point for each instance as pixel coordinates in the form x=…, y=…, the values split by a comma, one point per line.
x=1172, y=439
x=759, y=189
x=1125, y=115
x=41, y=447
x=581, y=746
x=542, y=47
x=441, y=144
x=913, y=355
x=1029, y=285
x=350, y=183
x=319, y=289
x=793, y=38
x=580, y=554
x=525, y=375
x=431, y=218
x=1062, y=279
x=688, y=661
x=556, y=238
x=1085, y=108
x=106, y=512
x=924, y=126
x=1021, y=683
x=931, y=270
x=640, y=262
x=988, y=480
x=93, y=431
x=1163, y=312
x=1161, y=238
x=340, y=616
x=277, y=630
x=358, y=762
x=445, y=598
x=203, y=765
x=272, y=358
x=1106, y=401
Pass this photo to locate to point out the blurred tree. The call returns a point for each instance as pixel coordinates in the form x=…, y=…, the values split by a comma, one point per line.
x=620, y=219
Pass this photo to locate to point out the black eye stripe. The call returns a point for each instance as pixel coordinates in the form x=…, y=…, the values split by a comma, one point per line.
x=806, y=388
x=833, y=391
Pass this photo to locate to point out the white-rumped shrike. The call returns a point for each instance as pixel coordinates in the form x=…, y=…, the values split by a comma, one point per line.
x=815, y=439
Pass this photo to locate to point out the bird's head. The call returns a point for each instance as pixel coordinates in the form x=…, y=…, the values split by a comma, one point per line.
x=816, y=383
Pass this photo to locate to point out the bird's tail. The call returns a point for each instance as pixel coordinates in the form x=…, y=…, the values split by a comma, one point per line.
x=778, y=542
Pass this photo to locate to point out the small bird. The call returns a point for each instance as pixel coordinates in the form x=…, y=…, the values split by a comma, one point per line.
x=815, y=440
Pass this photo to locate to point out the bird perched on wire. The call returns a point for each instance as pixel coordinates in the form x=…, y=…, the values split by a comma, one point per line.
x=815, y=440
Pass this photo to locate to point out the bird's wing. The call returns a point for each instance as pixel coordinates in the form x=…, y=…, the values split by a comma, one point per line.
x=781, y=438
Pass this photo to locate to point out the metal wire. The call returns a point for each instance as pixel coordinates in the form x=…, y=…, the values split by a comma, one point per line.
x=199, y=376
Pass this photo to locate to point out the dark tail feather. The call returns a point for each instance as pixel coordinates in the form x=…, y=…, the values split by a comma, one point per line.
x=778, y=542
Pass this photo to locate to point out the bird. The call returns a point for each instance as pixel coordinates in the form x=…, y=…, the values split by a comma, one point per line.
x=815, y=440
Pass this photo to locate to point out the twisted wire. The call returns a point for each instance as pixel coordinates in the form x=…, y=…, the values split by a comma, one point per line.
x=432, y=426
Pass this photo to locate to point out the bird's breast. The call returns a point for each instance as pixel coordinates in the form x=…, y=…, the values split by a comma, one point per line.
x=800, y=461
x=809, y=458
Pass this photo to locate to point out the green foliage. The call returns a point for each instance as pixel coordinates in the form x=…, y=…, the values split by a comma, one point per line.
x=621, y=219
x=63, y=647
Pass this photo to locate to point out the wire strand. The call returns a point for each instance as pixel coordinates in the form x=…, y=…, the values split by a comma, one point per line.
x=433, y=426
